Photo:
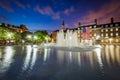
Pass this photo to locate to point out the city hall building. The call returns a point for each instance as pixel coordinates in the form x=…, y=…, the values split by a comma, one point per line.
x=98, y=33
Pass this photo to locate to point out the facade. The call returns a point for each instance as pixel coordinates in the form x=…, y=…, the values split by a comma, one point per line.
x=99, y=33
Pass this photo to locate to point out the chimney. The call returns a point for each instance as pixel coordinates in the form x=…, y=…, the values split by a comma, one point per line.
x=112, y=20
x=95, y=21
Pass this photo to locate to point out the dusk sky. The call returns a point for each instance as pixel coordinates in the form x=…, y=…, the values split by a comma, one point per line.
x=48, y=14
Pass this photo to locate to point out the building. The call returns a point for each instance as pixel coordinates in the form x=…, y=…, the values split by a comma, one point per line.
x=20, y=29
x=98, y=34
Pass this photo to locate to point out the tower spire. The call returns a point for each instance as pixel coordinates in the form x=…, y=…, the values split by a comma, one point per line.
x=63, y=25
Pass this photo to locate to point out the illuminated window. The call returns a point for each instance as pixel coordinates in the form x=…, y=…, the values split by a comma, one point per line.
x=116, y=34
x=101, y=30
x=116, y=29
x=111, y=25
x=111, y=34
x=106, y=30
x=116, y=24
x=94, y=34
x=106, y=25
x=111, y=29
x=102, y=35
x=106, y=34
x=94, y=26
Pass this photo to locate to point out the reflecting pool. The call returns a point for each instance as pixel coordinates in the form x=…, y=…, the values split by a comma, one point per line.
x=32, y=63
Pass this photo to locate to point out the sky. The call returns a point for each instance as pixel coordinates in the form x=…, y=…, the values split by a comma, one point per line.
x=49, y=14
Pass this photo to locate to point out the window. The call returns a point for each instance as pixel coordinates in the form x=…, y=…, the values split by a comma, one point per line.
x=94, y=34
x=111, y=34
x=106, y=34
x=111, y=29
x=111, y=25
x=106, y=25
x=116, y=24
x=116, y=34
x=101, y=30
x=106, y=30
x=102, y=35
x=116, y=29
x=94, y=26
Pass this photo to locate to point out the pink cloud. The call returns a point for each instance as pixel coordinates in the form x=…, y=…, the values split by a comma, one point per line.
x=56, y=15
x=4, y=19
x=104, y=14
x=21, y=5
x=69, y=10
x=6, y=5
x=47, y=11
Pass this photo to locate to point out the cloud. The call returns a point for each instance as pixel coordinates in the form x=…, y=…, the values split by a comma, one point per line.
x=56, y=15
x=20, y=4
x=4, y=19
x=69, y=10
x=6, y=5
x=47, y=11
x=104, y=14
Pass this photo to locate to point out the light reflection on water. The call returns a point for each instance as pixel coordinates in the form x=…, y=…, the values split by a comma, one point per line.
x=7, y=59
x=59, y=62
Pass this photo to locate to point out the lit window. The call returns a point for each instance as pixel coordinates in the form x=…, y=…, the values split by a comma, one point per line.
x=106, y=30
x=111, y=25
x=111, y=34
x=94, y=34
x=106, y=25
x=94, y=26
x=111, y=29
x=106, y=34
x=102, y=35
x=102, y=26
x=116, y=29
x=101, y=30
x=116, y=24
x=116, y=34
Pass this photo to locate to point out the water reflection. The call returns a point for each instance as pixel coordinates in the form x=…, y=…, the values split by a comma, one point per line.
x=30, y=59
x=7, y=59
x=46, y=54
x=111, y=54
x=98, y=52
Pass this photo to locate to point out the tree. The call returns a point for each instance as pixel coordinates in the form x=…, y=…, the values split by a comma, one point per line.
x=41, y=36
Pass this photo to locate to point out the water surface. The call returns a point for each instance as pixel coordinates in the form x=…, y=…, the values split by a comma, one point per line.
x=32, y=63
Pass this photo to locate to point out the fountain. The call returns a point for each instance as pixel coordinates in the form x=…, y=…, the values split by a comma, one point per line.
x=67, y=39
